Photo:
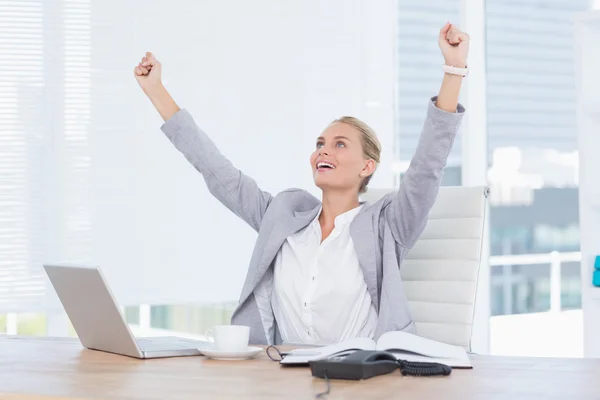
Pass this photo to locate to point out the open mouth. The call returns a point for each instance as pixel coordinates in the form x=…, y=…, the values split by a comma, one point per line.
x=324, y=166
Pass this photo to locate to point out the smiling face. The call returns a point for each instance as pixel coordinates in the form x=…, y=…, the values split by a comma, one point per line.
x=339, y=162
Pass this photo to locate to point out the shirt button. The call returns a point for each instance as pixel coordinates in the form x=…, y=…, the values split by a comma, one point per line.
x=313, y=278
x=305, y=304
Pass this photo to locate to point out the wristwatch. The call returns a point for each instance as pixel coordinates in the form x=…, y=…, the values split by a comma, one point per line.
x=449, y=69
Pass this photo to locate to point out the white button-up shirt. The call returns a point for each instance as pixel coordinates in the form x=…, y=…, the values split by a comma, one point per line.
x=320, y=295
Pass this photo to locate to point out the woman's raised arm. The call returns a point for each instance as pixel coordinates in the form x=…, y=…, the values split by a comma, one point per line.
x=229, y=185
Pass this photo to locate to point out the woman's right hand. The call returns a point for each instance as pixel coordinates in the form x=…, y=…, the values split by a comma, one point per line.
x=148, y=74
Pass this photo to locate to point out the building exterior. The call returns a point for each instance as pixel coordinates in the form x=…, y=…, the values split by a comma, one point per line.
x=530, y=71
x=531, y=127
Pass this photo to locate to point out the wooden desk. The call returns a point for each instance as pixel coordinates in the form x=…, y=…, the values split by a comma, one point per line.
x=61, y=368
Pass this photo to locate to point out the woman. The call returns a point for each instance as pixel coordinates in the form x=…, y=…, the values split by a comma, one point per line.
x=326, y=271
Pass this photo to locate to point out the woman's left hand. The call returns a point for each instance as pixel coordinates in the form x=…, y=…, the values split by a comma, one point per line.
x=454, y=44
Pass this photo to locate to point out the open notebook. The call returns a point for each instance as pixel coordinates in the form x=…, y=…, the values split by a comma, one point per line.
x=405, y=346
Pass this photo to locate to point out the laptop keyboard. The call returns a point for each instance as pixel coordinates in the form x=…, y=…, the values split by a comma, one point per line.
x=168, y=343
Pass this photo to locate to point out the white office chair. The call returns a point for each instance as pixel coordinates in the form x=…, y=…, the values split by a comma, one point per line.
x=440, y=272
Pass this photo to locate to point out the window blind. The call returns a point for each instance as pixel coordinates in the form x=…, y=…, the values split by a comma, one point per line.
x=22, y=157
x=75, y=159
x=44, y=146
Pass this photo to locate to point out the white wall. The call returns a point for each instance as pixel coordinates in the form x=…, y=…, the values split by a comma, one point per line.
x=588, y=125
x=474, y=137
x=263, y=78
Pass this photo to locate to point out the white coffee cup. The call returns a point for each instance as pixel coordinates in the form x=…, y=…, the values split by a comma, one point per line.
x=229, y=337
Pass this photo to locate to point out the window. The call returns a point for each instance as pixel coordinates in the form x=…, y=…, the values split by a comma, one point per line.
x=44, y=155
x=24, y=141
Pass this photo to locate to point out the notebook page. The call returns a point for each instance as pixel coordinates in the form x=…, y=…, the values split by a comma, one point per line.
x=408, y=342
x=304, y=355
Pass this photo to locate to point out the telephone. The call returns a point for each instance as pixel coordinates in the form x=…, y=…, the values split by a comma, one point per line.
x=364, y=364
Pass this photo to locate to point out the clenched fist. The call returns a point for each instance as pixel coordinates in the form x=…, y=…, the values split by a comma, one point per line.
x=454, y=44
x=148, y=73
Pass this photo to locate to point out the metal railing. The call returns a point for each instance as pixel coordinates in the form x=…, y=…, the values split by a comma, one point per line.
x=555, y=259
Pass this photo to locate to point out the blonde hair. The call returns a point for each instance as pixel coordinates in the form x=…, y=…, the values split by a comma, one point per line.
x=370, y=144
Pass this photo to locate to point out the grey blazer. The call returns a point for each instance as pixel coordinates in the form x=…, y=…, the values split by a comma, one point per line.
x=382, y=232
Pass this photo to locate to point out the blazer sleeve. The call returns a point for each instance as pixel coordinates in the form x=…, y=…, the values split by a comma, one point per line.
x=409, y=208
x=237, y=191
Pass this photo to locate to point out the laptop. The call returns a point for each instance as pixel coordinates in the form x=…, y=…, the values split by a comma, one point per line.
x=98, y=321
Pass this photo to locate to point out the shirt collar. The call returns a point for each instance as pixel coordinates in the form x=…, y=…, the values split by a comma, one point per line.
x=342, y=219
x=347, y=217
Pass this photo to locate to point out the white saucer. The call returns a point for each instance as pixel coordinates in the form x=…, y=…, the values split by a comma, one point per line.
x=215, y=354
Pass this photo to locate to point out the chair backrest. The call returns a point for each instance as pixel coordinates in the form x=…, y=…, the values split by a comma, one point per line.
x=440, y=272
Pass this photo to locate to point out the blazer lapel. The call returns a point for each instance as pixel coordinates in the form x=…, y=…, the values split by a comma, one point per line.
x=277, y=236
x=363, y=237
